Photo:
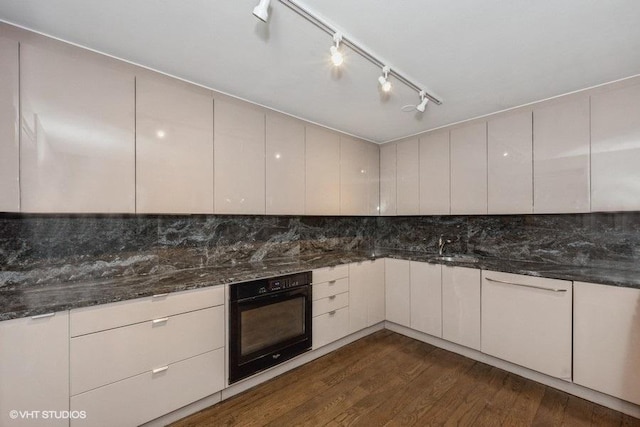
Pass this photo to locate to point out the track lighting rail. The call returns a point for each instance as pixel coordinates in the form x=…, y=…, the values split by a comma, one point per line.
x=294, y=6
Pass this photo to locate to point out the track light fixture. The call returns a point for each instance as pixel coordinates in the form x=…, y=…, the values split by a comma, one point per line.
x=385, y=84
x=336, y=56
x=261, y=11
x=423, y=102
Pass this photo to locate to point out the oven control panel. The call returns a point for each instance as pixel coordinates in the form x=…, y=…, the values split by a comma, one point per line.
x=264, y=286
x=283, y=283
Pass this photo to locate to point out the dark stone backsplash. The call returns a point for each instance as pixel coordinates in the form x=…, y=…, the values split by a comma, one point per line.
x=598, y=239
x=58, y=248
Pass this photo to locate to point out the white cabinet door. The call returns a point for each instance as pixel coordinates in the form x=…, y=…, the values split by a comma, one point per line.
x=388, y=179
x=376, y=292
x=434, y=174
x=330, y=327
x=408, y=177
x=322, y=172
x=77, y=146
x=34, y=368
x=461, y=306
x=239, y=164
x=469, y=169
x=510, y=164
x=561, y=156
x=615, y=150
x=426, y=298
x=9, y=137
x=366, y=294
x=285, y=165
x=373, y=176
x=354, y=177
x=606, y=339
x=397, y=277
x=527, y=321
x=174, y=147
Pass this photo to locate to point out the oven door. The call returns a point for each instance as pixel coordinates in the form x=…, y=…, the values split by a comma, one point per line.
x=268, y=329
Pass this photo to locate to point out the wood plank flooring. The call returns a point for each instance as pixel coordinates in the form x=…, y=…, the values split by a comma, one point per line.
x=387, y=379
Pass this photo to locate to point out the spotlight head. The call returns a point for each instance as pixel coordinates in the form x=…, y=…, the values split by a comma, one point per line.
x=423, y=102
x=336, y=56
x=261, y=11
x=385, y=84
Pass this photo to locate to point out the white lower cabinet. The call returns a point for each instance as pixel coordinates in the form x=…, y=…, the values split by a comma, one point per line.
x=397, y=276
x=366, y=294
x=527, y=321
x=606, y=340
x=426, y=298
x=461, y=306
x=330, y=327
x=144, y=397
x=134, y=361
x=34, y=369
x=330, y=309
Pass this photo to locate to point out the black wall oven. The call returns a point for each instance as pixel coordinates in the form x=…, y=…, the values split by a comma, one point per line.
x=269, y=322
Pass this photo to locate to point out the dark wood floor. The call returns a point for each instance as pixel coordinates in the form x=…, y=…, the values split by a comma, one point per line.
x=388, y=379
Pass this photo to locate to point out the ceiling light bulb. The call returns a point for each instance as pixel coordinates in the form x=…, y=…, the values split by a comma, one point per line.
x=385, y=84
x=336, y=56
x=423, y=102
x=261, y=11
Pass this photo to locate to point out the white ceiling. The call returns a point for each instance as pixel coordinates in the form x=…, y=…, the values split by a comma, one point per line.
x=479, y=56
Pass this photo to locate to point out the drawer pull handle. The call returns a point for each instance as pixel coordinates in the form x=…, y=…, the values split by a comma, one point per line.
x=160, y=295
x=332, y=297
x=332, y=313
x=160, y=321
x=332, y=282
x=158, y=370
x=42, y=316
x=542, y=288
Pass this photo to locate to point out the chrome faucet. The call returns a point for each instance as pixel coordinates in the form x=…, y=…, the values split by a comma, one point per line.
x=441, y=244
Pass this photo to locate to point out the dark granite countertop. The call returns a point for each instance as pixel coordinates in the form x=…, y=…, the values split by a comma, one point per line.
x=25, y=299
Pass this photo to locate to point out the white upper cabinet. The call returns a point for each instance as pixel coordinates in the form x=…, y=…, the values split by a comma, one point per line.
x=434, y=174
x=469, y=169
x=354, y=177
x=373, y=187
x=285, y=165
x=561, y=156
x=388, y=179
x=9, y=138
x=510, y=164
x=615, y=149
x=239, y=163
x=322, y=171
x=77, y=150
x=174, y=146
x=408, y=177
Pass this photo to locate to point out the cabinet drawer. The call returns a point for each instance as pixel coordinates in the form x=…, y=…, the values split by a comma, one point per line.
x=334, y=302
x=109, y=356
x=102, y=317
x=147, y=396
x=330, y=273
x=332, y=287
x=527, y=320
x=330, y=327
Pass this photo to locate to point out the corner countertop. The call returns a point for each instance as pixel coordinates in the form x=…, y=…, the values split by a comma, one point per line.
x=25, y=300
